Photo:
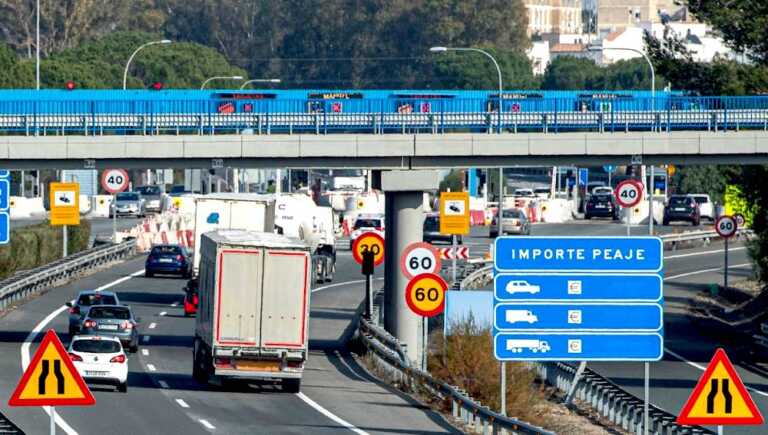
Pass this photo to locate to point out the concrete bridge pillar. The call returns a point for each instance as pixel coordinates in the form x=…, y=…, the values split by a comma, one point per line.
x=404, y=225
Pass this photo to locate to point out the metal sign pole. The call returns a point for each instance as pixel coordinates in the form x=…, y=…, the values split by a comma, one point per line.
x=575, y=383
x=368, y=299
x=503, y=388
x=646, y=399
x=64, y=241
x=453, y=260
x=114, y=219
x=53, y=420
x=725, y=272
x=425, y=344
x=629, y=221
x=720, y=430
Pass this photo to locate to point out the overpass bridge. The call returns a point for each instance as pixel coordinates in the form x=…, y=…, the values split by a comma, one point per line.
x=374, y=129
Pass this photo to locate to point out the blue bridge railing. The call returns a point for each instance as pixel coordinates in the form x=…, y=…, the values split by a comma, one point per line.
x=379, y=116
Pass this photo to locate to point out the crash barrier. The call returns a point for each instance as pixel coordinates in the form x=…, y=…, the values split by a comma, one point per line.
x=31, y=282
x=22, y=207
x=100, y=205
x=389, y=355
x=165, y=228
x=612, y=402
x=640, y=212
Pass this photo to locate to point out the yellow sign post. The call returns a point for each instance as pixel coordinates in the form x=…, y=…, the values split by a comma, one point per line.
x=65, y=203
x=454, y=219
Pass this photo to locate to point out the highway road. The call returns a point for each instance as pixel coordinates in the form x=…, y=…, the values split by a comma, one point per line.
x=100, y=226
x=338, y=396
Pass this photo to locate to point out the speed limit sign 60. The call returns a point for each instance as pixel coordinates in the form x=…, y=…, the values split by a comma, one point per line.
x=425, y=294
x=726, y=226
x=418, y=258
x=629, y=193
x=114, y=180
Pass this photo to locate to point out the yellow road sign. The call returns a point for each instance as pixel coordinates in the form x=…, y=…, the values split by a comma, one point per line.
x=369, y=241
x=720, y=397
x=65, y=203
x=454, y=212
x=425, y=294
x=51, y=379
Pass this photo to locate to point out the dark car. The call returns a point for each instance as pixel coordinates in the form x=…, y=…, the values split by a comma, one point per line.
x=682, y=208
x=113, y=321
x=432, y=232
x=168, y=259
x=191, y=297
x=83, y=302
x=601, y=205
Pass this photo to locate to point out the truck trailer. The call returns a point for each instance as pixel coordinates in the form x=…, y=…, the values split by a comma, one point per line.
x=253, y=313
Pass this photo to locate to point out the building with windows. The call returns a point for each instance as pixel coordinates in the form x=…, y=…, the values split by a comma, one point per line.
x=554, y=16
x=615, y=15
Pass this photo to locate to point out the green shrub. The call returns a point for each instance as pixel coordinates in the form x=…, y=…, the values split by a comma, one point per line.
x=40, y=244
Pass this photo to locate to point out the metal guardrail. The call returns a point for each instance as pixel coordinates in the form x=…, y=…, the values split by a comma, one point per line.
x=20, y=286
x=472, y=414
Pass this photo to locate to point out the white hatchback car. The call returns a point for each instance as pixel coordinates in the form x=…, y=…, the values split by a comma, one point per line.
x=522, y=287
x=100, y=360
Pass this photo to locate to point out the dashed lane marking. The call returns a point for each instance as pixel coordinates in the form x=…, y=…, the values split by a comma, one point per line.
x=152, y=325
x=151, y=368
x=182, y=403
x=206, y=424
x=145, y=352
x=163, y=384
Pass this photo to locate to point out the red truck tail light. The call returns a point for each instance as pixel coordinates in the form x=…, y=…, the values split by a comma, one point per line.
x=222, y=362
x=118, y=359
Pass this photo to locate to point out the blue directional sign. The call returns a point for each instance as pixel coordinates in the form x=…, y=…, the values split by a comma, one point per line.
x=609, y=169
x=579, y=316
x=5, y=227
x=583, y=176
x=578, y=346
x=583, y=254
x=576, y=287
x=578, y=298
x=4, y=173
x=5, y=194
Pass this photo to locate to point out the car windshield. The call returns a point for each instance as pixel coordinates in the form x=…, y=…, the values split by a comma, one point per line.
x=511, y=213
x=149, y=190
x=679, y=200
x=367, y=223
x=166, y=250
x=542, y=190
x=109, y=313
x=700, y=199
x=96, y=346
x=128, y=196
x=431, y=223
x=96, y=299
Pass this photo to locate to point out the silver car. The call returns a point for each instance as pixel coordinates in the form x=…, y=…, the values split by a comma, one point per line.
x=514, y=221
x=112, y=321
x=153, y=197
x=128, y=204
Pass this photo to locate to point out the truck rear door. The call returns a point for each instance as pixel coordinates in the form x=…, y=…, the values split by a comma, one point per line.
x=286, y=299
x=239, y=297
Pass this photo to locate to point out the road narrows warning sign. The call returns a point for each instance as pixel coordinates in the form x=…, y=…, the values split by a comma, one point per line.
x=51, y=379
x=720, y=398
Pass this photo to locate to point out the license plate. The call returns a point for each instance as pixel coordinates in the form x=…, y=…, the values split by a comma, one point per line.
x=264, y=366
x=679, y=209
x=600, y=206
x=166, y=260
x=108, y=327
x=92, y=373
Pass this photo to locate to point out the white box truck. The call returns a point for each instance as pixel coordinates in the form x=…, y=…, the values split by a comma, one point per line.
x=243, y=211
x=253, y=313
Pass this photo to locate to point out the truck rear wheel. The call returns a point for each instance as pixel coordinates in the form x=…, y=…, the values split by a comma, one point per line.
x=291, y=385
x=199, y=367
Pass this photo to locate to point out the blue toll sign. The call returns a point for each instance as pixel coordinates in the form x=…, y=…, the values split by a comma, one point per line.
x=578, y=298
x=5, y=228
x=609, y=169
x=4, y=173
x=5, y=194
x=583, y=254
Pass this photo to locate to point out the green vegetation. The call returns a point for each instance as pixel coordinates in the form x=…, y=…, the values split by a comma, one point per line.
x=568, y=72
x=40, y=244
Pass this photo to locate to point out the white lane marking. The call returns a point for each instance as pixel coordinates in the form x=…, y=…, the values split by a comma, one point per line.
x=152, y=325
x=39, y=327
x=163, y=384
x=151, y=368
x=206, y=424
x=680, y=357
x=145, y=338
x=175, y=304
x=182, y=403
x=339, y=284
x=348, y=367
x=145, y=352
x=163, y=313
x=714, y=269
x=696, y=254
x=330, y=415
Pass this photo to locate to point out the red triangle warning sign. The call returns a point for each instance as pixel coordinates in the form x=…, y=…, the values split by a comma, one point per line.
x=720, y=398
x=51, y=379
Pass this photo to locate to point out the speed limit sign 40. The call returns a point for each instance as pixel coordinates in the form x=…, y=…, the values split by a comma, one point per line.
x=726, y=226
x=425, y=294
x=418, y=258
x=114, y=180
x=629, y=193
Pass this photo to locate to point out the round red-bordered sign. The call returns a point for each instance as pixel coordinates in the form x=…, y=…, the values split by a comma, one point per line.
x=741, y=221
x=418, y=258
x=114, y=180
x=628, y=193
x=425, y=294
x=366, y=241
x=726, y=226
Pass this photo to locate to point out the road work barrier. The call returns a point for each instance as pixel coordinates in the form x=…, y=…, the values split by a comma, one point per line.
x=22, y=207
x=31, y=282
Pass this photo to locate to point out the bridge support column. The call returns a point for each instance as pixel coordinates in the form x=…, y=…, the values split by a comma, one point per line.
x=404, y=192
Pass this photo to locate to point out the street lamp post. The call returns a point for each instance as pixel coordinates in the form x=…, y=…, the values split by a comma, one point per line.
x=259, y=81
x=210, y=79
x=130, y=59
x=647, y=59
x=37, y=46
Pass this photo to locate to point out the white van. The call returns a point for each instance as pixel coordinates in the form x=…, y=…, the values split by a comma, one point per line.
x=514, y=316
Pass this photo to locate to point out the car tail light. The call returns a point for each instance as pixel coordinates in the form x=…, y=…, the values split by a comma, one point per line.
x=126, y=325
x=379, y=228
x=179, y=257
x=89, y=324
x=118, y=359
x=74, y=357
x=74, y=310
x=222, y=362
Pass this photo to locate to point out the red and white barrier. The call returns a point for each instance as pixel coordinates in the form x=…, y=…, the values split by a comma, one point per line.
x=461, y=253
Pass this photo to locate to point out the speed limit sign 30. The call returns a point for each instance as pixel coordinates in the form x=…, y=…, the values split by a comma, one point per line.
x=418, y=258
x=629, y=193
x=726, y=226
x=114, y=180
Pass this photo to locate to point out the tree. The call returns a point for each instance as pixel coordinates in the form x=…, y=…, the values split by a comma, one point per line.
x=453, y=182
x=568, y=72
x=709, y=179
x=469, y=70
